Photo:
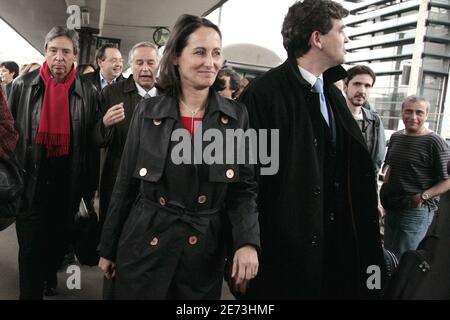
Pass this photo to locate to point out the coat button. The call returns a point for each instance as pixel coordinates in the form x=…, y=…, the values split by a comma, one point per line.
x=332, y=216
x=201, y=199
x=154, y=241
x=157, y=122
x=230, y=173
x=317, y=191
x=314, y=240
x=315, y=142
x=193, y=240
x=162, y=201
x=143, y=172
x=224, y=119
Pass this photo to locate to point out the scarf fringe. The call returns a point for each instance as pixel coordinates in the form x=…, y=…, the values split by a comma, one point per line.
x=53, y=139
x=57, y=144
x=53, y=152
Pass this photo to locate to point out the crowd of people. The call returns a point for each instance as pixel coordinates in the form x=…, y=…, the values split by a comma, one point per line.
x=174, y=229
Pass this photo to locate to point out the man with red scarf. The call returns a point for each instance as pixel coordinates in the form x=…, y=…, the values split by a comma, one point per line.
x=55, y=112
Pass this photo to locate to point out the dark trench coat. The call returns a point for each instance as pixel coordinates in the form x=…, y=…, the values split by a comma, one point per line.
x=168, y=226
x=113, y=138
x=291, y=204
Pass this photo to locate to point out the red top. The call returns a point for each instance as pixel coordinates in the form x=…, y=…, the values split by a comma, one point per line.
x=191, y=124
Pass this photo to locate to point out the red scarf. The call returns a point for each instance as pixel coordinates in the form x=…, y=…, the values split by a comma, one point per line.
x=54, y=125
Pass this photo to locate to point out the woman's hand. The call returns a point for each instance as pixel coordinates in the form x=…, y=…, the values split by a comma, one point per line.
x=245, y=267
x=108, y=267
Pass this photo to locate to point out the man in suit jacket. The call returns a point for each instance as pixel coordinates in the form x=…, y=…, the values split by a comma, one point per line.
x=110, y=66
x=318, y=214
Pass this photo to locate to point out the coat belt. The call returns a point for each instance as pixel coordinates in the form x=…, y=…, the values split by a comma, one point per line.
x=173, y=211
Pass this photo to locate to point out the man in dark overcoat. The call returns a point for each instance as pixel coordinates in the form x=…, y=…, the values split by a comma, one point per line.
x=318, y=213
x=54, y=111
x=117, y=104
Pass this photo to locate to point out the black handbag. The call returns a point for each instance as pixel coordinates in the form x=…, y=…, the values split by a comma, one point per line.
x=11, y=183
x=11, y=187
x=87, y=236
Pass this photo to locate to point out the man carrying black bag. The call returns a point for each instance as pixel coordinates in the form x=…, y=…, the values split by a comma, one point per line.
x=54, y=111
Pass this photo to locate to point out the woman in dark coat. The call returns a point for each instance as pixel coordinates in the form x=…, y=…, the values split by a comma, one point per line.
x=8, y=134
x=8, y=141
x=171, y=219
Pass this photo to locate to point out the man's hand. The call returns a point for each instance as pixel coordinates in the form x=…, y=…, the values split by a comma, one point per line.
x=107, y=267
x=114, y=115
x=416, y=201
x=245, y=267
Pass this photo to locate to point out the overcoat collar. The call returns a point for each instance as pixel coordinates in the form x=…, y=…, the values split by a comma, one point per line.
x=129, y=85
x=330, y=76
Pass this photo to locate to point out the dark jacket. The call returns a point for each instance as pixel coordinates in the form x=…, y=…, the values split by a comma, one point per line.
x=94, y=78
x=373, y=133
x=322, y=199
x=113, y=138
x=25, y=102
x=168, y=225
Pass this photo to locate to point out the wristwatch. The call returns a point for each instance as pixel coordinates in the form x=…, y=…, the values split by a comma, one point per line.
x=424, y=196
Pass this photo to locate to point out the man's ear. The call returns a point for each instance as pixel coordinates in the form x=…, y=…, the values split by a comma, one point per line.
x=314, y=40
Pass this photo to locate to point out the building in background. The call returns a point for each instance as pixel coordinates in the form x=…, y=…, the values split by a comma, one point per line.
x=251, y=34
x=407, y=44
x=250, y=60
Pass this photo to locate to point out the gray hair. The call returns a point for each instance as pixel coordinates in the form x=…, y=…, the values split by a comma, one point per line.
x=415, y=99
x=61, y=31
x=144, y=44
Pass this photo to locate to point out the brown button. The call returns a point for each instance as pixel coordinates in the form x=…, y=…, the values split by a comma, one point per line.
x=162, y=201
x=202, y=199
x=157, y=122
x=193, y=240
x=154, y=241
x=224, y=119
x=230, y=173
